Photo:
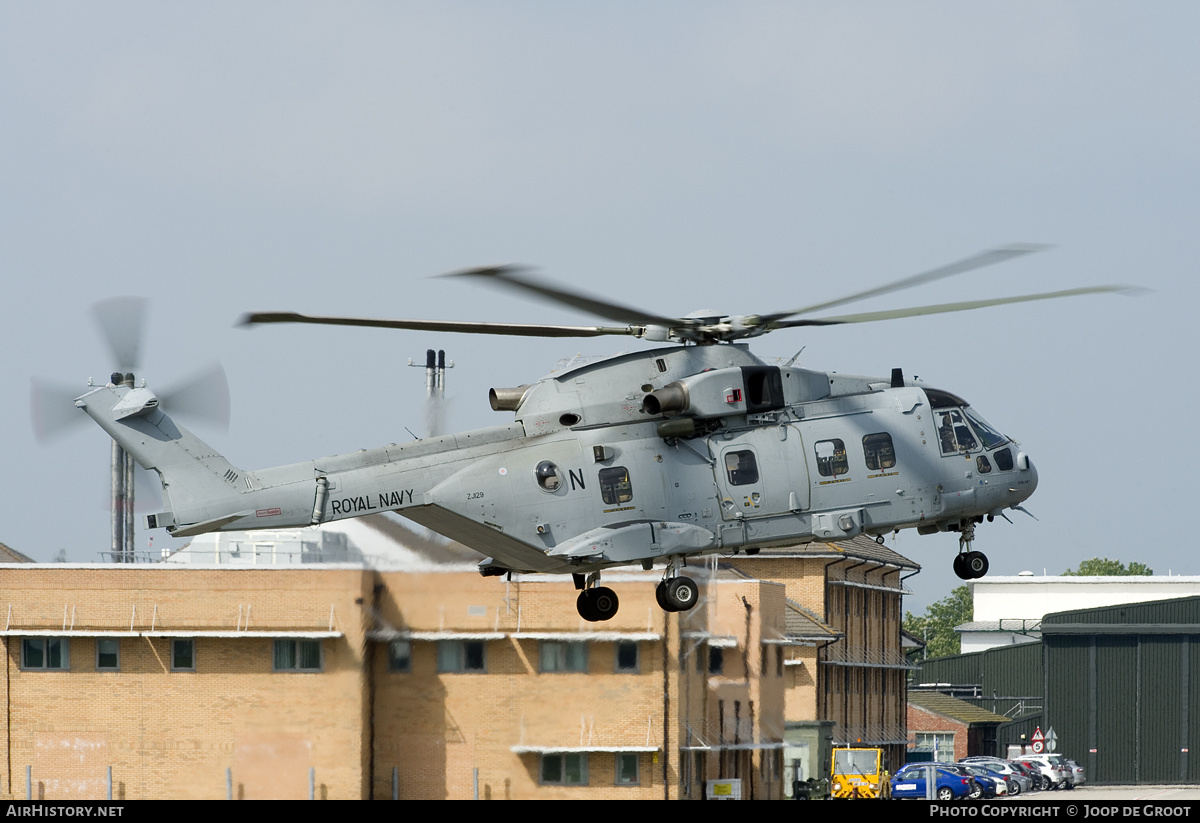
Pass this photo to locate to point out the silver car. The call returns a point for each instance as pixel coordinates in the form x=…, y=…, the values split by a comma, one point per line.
x=1018, y=782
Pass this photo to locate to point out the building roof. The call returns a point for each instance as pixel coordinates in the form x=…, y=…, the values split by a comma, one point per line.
x=802, y=624
x=952, y=707
x=11, y=555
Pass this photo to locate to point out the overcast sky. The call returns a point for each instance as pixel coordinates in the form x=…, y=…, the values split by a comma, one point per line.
x=329, y=157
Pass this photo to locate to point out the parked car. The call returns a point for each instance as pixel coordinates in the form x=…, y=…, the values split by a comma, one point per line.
x=993, y=783
x=1077, y=774
x=1033, y=776
x=910, y=782
x=1055, y=775
x=1018, y=781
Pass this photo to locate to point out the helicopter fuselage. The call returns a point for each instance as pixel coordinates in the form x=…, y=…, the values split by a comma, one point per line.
x=651, y=455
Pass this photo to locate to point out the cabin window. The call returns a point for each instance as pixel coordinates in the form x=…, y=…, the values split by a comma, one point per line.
x=879, y=451
x=982, y=464
x=615, y=486
x=831, y=458
x=741, y=467
x=954, y=434
x=548, y=476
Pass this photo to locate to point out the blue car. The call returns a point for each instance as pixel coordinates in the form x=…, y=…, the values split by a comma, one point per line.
x=910, y=782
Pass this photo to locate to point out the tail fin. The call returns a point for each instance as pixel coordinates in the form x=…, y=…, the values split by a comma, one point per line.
x=199, y=484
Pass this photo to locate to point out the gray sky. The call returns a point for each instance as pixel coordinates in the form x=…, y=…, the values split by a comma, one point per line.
x=329, y=157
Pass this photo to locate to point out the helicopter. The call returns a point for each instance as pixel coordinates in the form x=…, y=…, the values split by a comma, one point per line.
x=644, y=458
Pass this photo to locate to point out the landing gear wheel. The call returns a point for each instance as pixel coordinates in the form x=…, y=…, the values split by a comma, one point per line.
x=960, y=567
x=583, y=604
x=604, y=603
x=660, y=594
x=976, y=564
x=680, y=594
x=597, y=604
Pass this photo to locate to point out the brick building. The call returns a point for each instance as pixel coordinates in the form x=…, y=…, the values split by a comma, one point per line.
x=849, y=672
x=344, y=682
x=945, y=729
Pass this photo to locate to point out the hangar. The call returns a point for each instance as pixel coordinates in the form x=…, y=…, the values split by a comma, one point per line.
x=1115, y=683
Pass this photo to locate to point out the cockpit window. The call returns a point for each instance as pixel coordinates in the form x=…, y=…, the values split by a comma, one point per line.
x=991, y=438
x=953, y=432
x=831, y=458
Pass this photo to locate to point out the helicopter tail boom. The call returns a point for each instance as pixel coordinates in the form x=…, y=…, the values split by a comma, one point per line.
x=202, y=491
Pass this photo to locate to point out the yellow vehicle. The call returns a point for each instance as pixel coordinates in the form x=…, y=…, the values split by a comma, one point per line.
x=857, y=773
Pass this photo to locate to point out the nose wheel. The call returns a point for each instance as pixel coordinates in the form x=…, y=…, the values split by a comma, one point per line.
x=676, y=593
x=969, y=564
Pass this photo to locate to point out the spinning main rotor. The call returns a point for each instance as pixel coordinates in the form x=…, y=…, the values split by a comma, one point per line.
x=700, y=327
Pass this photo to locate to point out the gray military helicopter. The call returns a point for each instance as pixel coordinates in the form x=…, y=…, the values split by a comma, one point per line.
x=642, y=458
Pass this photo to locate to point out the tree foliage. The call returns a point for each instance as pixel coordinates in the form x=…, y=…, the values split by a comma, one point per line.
x=1103, y=567
x=936, y=626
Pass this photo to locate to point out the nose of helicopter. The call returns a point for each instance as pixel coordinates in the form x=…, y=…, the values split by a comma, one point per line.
x=1027, y=478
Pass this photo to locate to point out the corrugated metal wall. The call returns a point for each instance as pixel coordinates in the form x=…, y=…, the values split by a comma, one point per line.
x=1118, y=687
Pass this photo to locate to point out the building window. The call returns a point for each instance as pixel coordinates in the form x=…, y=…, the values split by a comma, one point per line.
x=461, y=656
x=108, y=654
x=564, y=769
x=297, y=656
x=400, y=656
x=183, y=655
x=628, y=660
x=627, y=769
x=716, y=660
x=45, y=654
x=557, y=656
x=940, y=746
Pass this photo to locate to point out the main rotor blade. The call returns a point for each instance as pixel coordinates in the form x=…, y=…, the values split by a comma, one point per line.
x=465, y=327
x=204, y=397
x=507, y=275
x=968, y=305
x=121, y=321
x=977, y=261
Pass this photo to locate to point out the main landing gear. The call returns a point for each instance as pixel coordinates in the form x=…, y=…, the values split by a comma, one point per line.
x=675, y=593
x=595, y=603
x=969, y=565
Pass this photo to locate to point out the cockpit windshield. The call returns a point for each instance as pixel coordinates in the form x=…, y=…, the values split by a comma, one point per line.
x=960, y=428
x=991, y=438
